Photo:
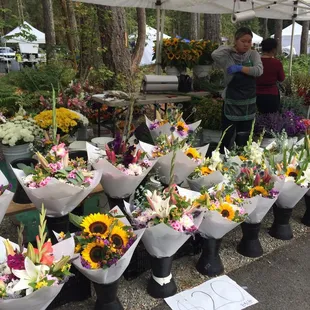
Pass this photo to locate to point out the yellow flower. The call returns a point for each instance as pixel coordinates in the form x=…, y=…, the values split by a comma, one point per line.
x=62, y=235
x=118, y=237
x=78, y=248
x=66, y=267
x=258, y=190
x=227, y=211
x=291, y=172
x=242, y=158
x=41, y=284
x=228, y=199
x=205, y=170
x=192, y=153
x=93, y=254
x=181, y=126
x=201, y=200
x=97, y=224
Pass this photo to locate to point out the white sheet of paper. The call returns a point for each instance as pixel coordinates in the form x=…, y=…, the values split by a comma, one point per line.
x=219, y=293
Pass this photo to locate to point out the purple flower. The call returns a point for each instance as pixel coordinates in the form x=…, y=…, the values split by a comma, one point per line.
x=16, y=261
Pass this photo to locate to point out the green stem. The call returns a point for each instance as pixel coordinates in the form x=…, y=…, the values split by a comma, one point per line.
x=171, y=177
x=54, y=117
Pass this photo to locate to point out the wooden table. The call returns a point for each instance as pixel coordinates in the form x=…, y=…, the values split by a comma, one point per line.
x=15, y=208
x=141, y=100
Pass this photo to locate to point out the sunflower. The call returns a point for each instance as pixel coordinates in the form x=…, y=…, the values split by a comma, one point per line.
x=181, y=126
x=78, y=248
x=201, y=200
x=94, y=254
x=97, y=225
x=170, y=56
x=205, y=170
x=291, y=172
x=118, y=237
x=242, y=158
x=227, y=211
x=192, y=153
x=258, y=190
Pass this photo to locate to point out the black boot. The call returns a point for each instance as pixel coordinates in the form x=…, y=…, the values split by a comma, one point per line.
x=161, y=268
x=107, y=296
x=281, y=228
x=210, y=263
x=249, y=245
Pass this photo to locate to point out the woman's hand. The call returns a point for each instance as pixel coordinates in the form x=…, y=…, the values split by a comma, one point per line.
x=234, y=69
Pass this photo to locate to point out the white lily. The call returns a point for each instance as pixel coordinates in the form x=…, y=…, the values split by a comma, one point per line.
x=215, y=159
x=161, y=207
x=31, y=274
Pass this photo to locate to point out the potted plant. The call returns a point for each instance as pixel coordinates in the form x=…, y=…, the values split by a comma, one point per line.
x=16, y=135
x=204, y=63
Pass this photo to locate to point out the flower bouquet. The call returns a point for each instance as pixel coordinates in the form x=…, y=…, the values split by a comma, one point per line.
x=5, y=195
x=170, y=150
x=105, y=247
x=255, y=181
x=170, y=219
x=123, y=167
x=61, y=184
x=209, y=173
x=33, y=276
x=294, y=170
x=224, y=210
x=172, y=121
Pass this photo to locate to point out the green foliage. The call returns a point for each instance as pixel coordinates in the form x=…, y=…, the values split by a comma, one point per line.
x=43, y=78
x=301, y=64
x=293, y=103
x=209, y=110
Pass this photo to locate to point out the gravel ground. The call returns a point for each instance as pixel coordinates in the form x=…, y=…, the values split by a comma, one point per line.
x=133, y=293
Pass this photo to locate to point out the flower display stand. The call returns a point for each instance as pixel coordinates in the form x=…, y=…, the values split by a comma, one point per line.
x=250, y=245
x=281, y=228
x=107, y=296
x=210, y=263
x=20, y=195
x=161, y=283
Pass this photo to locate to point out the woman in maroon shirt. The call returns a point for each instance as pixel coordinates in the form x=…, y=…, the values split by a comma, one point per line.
x=267, y=92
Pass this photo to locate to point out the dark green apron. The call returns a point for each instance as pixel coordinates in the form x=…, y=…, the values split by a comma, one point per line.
x=240, y=99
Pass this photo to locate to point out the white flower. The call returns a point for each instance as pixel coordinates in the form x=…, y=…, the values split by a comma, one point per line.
x=256, y=153
x=161, y=207
x=306, y=177
x=28, y=179
x=186, y=221
x=136, y=169
x=215, y=159
x=31, y=274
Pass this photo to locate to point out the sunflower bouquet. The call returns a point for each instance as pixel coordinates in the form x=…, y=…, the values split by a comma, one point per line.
x=255, y=181
x=186, y=158
x=178, y=53
x=123, y=167
x=33, y=276
x=204, y=48
x=293, y=167
x=105, y=245
x=224, y=210
x=170, y=216
x=6, y=195
x=68, y=121
x=57, y=181
x=171, y=122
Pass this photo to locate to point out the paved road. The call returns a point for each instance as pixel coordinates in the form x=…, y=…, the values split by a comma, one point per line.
x=280, y=280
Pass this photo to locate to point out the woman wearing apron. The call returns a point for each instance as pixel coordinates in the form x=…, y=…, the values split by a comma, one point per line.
x=241, y=66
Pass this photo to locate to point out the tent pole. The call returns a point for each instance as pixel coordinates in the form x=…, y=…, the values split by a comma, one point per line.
x=292, y=38
x=157, y=39
x=162, y=26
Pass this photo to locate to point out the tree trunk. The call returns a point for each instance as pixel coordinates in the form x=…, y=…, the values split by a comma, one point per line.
x=70, y=39
x=112, y=32
x=265, y=28
x=139, y=47
x=212, y=27
x=304, y=38
x=278, y=34
x=50, y=36
x=73, y=24
x=194, y=28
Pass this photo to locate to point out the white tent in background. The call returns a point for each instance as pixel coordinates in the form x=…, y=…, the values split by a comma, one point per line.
x=149, y=45
x=287, y=35
x=40, y=36
x=256, y=39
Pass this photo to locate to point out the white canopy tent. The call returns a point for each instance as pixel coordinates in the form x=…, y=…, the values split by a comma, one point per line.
x=287, y=34
x=151, y=35
x=240, y=9
x=257, y=39
x=40, y=36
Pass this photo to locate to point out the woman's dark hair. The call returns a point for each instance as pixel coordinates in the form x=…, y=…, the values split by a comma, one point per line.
x=269, y=44
x=242, y=32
